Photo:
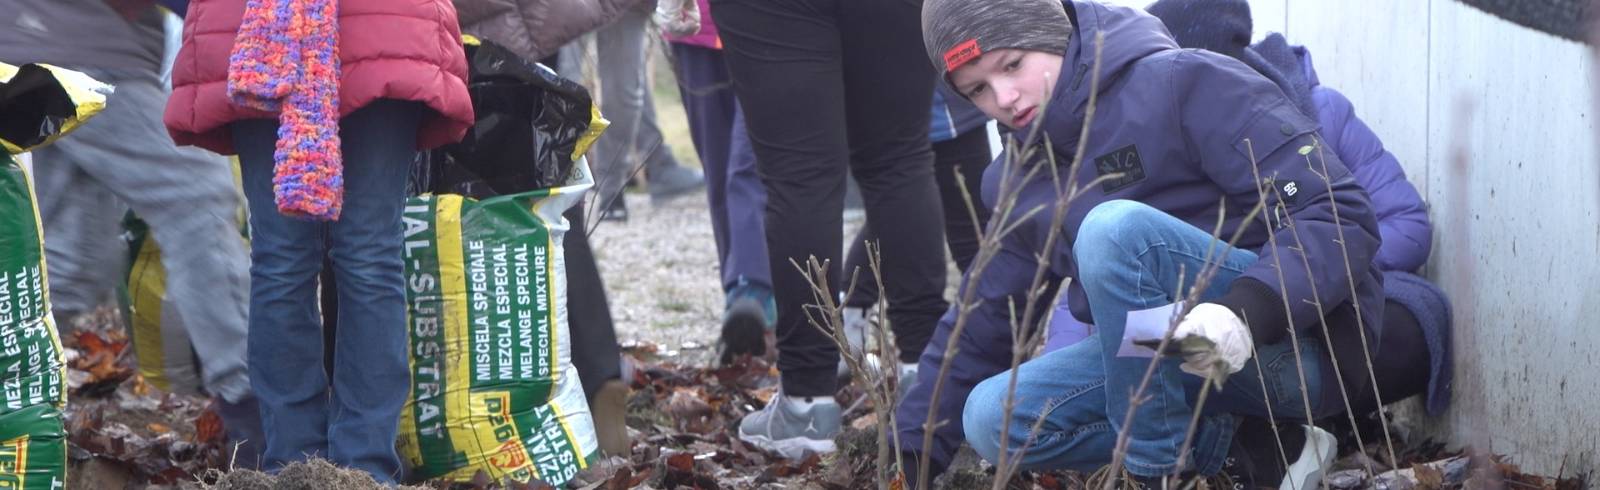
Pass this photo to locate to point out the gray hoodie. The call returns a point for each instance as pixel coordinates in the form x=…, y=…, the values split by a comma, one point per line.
x=80, y=34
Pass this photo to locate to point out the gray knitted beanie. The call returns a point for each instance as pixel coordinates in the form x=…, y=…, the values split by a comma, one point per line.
x=958, y=31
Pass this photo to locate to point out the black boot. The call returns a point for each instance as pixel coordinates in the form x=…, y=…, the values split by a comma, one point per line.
x=246, y=438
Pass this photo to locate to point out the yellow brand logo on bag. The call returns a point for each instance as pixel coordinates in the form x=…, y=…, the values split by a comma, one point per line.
x=13, y=462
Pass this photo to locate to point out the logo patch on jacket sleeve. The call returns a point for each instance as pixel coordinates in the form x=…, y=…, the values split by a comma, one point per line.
x=1291, y=192
x=1124, y=161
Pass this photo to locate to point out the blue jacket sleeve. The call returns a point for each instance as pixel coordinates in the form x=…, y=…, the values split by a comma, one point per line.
x=983, y=350
x=1240, y=125
x=1402, y=216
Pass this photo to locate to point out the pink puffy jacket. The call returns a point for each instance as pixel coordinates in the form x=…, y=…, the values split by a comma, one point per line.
x=388, y=49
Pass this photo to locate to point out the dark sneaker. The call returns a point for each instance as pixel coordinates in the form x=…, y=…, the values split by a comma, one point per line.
x=793, y=427
x=617, y=210
x=674, y=182
x=750, y=314
x=241, y=421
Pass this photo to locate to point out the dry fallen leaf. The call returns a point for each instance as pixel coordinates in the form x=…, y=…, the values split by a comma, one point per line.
x=208, y=428
x=681, y=462
x=687, y=404
x=1428, y=477
x=766, y=394
x=865, y=422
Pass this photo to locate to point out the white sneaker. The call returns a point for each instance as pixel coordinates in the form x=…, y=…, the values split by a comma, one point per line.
x=908, y=377
x=1315, y=458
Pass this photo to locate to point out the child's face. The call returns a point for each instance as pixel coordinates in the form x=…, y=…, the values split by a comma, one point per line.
x=1009, y=84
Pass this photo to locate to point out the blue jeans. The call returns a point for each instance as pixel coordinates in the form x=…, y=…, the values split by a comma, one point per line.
x=355, y=423
x=733, y=189
x=1129, y=258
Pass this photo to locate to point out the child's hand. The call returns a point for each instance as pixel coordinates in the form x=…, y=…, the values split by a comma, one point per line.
x=678, y=17
x=1228, y=337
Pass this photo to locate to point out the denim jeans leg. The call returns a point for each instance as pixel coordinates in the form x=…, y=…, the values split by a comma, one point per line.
x=708, y=106
x=733, y=188
x=1133, y=257
x=284, y=343
x=747, y=203
x=1270, y=383
x=1063, y=394
x=371, y=375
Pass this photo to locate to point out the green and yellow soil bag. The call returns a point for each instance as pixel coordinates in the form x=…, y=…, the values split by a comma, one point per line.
x=38, y=103
x=33, y=449
x=494, y=389
x=160, y=340
x=32, y=368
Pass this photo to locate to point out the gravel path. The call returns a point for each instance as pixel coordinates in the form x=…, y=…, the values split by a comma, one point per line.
x=660, y=270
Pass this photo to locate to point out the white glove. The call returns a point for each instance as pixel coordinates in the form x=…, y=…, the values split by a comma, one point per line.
x=1228, y=335
x=678, y=17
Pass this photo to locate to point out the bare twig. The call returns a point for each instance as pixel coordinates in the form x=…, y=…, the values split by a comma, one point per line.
x=1288, y=312
x=1355, y=298
x=1202, y=281
x=1004, y=221
x=1272, y=421
x=882, y=384
x=1194, y=422
x=599, y=204
x=888, y=350
x=1067, y=193
x=1213, y=263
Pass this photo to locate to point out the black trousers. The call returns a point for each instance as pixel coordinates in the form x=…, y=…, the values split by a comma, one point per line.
x=1402, y=366
x=594, y=336
x=968, y=155
x=826, y=86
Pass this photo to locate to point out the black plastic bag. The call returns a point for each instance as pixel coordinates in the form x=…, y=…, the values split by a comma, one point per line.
x=529, y=121
x=36, y=107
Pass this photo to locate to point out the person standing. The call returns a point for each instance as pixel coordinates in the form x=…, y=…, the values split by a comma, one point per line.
x=830, y=86
x=122, y=157
x=326, y=128
x=733, y=188
x=634, y=140
x=960, y=155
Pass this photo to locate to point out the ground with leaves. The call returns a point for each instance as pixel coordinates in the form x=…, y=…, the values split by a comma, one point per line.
x=682, y=414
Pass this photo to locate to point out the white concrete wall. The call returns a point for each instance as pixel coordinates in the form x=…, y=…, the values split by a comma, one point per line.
x=1517, y=233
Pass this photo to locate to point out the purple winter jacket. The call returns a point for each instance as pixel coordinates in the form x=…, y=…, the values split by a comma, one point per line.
x=1402, y=216
x=1181, y=126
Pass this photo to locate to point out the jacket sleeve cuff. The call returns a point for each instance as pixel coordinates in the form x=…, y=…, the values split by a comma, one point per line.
x=1260, y=306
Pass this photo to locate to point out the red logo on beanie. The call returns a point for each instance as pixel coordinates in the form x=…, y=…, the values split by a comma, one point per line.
x=961, y=54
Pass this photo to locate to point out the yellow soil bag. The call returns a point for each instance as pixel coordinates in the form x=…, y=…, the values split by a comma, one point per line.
x=494, y=389
x=160, y=340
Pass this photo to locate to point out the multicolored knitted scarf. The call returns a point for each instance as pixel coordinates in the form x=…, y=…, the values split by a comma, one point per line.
x=286, y=59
